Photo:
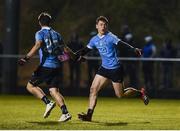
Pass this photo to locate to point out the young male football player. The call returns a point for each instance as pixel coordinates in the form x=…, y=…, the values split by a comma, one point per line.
x=49, y=43
x=111, y=68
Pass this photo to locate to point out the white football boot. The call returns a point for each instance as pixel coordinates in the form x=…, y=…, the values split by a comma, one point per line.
x=65, y=117
x=49, y=108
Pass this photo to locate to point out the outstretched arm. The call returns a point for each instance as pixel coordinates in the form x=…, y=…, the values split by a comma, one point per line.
x=80, y=53
x=34, y=49
x=31, y=53
x=83, y=51
x=137, y=51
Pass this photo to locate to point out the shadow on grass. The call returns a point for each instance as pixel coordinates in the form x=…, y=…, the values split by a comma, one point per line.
x=44, y=122
x=50, y=123
x=116, y=123
x=110, y=123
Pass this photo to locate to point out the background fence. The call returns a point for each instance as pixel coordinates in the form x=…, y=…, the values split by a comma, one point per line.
x=162, y=76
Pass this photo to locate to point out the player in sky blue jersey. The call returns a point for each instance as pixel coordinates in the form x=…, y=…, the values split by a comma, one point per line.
x=111, y=68
x=50, y=46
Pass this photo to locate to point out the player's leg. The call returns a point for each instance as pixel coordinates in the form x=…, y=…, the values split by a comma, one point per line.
x=54, y=92
x=116, y=75
x=37, y=78
x=97, y=84
x=129, y=92
x=121, y=92
x=52, y=81
x=32, y=85
x=38, y=92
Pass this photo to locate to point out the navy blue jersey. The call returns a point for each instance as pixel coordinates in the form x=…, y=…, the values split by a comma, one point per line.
x=149, y=50
x=51, y=41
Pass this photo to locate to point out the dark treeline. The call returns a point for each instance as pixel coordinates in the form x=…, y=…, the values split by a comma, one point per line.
x=159, y=18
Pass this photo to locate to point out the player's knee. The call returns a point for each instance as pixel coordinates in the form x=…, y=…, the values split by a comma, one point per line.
x=29, y=87
x=53, y=91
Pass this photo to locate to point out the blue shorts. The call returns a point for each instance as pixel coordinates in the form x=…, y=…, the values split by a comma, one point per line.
x=116, y=75
x=44, y=74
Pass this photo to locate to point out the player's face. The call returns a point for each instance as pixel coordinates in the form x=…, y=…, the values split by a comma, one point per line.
x=101, y=27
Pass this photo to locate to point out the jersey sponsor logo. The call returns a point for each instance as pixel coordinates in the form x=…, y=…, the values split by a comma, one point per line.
x=102, y=50
x=101, y=45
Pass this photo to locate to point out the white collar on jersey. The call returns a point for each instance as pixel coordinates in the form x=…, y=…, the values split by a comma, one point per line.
x=46, y=27
x=101, y=36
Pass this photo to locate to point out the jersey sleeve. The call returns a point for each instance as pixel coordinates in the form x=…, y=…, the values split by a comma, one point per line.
x=115, y=39
x=91, y=44
x=38, y=36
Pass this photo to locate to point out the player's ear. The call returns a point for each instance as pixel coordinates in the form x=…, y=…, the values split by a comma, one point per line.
x=96, y=26
x=40, y=23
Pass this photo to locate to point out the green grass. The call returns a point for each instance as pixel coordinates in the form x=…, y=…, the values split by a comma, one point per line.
x=25, y=112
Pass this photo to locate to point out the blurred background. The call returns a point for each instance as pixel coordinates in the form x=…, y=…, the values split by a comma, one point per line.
x=139, y=22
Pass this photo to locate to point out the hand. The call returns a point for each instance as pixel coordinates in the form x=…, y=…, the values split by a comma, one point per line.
x=138, y=52
x=23, y=61
x=64, y=57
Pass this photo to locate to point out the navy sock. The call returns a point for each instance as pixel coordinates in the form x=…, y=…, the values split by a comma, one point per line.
x=45, y=100
x=90, y=112
x=64, y=109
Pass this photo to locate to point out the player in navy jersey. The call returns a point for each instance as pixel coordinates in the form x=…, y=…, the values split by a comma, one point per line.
x=49, y=43
x=111, y=68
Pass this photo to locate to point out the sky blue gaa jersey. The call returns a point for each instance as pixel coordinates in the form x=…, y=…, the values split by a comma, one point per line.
x=50, y=39
x=107, y=47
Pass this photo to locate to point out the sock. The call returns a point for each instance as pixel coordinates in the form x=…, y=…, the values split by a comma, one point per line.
x=90, y=112
x=45, y=100
x=64, y=109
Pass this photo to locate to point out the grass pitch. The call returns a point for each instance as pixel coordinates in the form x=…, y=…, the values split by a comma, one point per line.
x=25, y=112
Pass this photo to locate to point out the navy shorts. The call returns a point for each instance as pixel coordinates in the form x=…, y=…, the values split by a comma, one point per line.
x=116, y=75
x=44, y=74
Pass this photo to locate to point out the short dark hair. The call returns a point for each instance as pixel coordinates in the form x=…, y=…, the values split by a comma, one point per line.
x=45, y=18
x=102, y=18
